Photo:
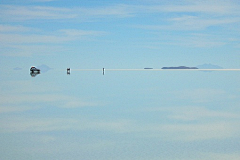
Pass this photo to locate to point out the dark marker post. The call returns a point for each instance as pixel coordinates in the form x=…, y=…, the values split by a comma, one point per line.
x=68, y=71
x=103, y=71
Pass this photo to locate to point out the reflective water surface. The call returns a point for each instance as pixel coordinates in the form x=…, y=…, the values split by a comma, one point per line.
x=121, y=115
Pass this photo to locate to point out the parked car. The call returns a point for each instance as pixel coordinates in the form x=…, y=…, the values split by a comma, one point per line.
x=34, y=69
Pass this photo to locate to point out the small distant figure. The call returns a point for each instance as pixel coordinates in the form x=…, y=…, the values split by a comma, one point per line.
x=68, y=70
x=103, y=71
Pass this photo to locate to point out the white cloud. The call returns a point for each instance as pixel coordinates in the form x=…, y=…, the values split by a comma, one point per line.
x=23, y=124
x=222, y=156
x=120, y=11
x=169, y=131
x=192, y=23
x=199, y=23
x=80, y=33
x=25, y=50
x=202, y=95
x=53, y=37
x=78, y=104
x=194, y=113
x=20, y=13
x=188, y=16
x=201, y=8
x=23, y=13
x=197, y=6
x=182, y=19
x=192, y=132
x=8, y=109
x=33, y=101
x=26, y=99
x=42, y=0
x=11, y=28
x=194, y=16
x=37, y=125
x=22, y=41
x=194, y=123
x=31, y=38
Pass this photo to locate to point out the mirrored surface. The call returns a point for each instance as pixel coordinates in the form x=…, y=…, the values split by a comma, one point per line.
x=120, y=115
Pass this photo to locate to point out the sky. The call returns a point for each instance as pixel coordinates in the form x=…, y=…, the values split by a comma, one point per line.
x=119, y=34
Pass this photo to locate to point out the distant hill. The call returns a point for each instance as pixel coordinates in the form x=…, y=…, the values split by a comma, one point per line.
x=209, y=66
x=17, y=68
x=44, y=68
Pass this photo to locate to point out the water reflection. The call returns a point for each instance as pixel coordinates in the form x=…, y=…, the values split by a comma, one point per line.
x=34, y=74
x=122, y=115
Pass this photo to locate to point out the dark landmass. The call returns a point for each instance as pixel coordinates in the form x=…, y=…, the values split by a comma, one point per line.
x=44, y=68
x=180, y=67
x=209, y=66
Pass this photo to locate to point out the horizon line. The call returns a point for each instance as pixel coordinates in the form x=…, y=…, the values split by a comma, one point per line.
x=230, y=69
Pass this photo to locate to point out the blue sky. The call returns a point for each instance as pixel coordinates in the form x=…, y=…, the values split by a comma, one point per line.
x=119, y=34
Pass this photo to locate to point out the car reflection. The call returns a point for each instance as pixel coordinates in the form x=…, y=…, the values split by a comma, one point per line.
x=34, y=74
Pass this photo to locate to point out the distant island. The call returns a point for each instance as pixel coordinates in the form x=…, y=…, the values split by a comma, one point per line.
x=179, y=67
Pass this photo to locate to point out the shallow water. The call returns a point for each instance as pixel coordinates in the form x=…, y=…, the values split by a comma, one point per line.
x=122, y=114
